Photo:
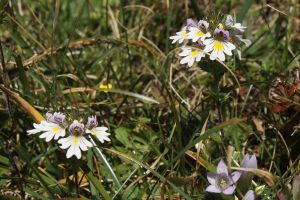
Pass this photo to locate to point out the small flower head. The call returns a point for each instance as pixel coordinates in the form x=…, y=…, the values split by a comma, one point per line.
x=92, y=122
x=191, y=55
x=100, y=132
x=52, y=127
x=249, y=161
x=75, y=144
x=203, y=25
x=221, y=34
x=191, y=23
x=180, y=36
x=222, y=181
x=229, y=20
x=219, y=45
x=106, y=87
x=76, y=128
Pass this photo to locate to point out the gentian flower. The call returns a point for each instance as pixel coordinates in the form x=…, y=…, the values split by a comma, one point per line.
x=76, y=141
x=219, y=44
x=180, y=36
x=249, y=161
x=222, y=181
x=199, y=31
x=191, y=55
x=52, y=127
x=99, y=132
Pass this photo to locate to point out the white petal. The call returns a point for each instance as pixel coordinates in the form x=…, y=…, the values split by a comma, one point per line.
x=185, y=60
x=221, y=55
x=71, y=151
x=213, y=55
x=208, y=48
x=77, y=152
x=191, y=61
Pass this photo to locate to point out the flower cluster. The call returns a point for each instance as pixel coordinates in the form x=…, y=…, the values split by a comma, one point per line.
x=56, y=127
x=216, y=37
x=225, y=182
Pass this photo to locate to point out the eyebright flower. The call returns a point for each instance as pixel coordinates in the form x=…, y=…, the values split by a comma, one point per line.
x=250, y=195
x=191, y=55
x=237, y=26
x=99, y=132
x=76, y=142
x=52, y=127
x=199, y=31
x=222, y=181
x=219, y=45
x=180, y=36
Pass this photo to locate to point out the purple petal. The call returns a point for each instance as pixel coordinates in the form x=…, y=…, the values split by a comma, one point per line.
x=235, y=176
x=211, y=177
x=229, y=190
x=222, y=168
x=249, y=161
x=212, y=189
x=190, y=23
x=250, y=195
x=229, y=20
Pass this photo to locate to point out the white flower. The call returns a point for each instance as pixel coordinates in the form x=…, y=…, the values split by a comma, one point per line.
x=219, y=45
x=75, y=145
x=180, y=36
x=50, y=130
x=190, y=55
x=195, y=34
x=99, y=132
x=238, y=26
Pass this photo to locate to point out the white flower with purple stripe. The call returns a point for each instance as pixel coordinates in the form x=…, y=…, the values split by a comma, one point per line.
x=222, y=181
x=199, y=32
x=52, y=127
x=99, y=132
x=218, y=45
x=180, y=36
x=76, y=142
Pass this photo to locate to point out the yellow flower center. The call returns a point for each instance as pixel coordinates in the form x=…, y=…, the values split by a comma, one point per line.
x=194, y=53
x=223, y=183
x=55, y=129
x=94, y=132
x=219, y=46
x=75, y=141
x=199, y=34
x=183, y=34
x=105, y=86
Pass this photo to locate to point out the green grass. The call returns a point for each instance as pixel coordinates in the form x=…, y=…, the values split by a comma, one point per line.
x=156, y=109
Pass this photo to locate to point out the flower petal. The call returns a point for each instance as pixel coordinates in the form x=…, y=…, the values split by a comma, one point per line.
x=222, y=167
x=211, y=177
x=250, y=195
x=229, y=190
x=235, y=176
x=212, y=189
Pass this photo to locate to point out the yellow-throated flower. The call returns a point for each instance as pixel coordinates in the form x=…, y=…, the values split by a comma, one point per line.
x=99, y=132
x=52, y=127
x=218, y=45
x=76, y=142
x=191, y=55
x=180, y=36
x=199, y=31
